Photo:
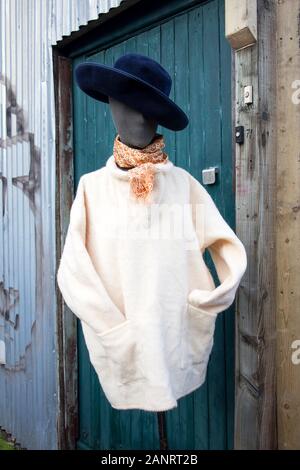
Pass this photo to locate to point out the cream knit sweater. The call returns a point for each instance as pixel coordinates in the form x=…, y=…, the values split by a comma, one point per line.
x=135, y=276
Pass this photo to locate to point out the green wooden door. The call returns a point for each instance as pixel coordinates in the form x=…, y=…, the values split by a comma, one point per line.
x=191, y=44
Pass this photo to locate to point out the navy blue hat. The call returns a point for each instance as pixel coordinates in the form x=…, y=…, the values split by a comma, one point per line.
x=137, y=81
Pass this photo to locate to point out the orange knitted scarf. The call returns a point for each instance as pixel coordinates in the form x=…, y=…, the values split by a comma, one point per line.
x=140, y=164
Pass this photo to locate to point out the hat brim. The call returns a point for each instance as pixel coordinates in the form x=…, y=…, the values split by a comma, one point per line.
x=101, y=81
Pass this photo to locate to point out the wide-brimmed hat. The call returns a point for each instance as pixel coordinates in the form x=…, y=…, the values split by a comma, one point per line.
x=137, y=81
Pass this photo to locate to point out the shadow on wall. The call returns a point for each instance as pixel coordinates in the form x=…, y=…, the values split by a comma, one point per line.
x=20, y=175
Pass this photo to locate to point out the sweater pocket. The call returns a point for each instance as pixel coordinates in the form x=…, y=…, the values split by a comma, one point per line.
x=122, y=360
x=199, y=338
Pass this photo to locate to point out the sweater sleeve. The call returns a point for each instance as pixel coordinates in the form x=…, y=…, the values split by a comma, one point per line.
x=78, y=281
x=227, y=252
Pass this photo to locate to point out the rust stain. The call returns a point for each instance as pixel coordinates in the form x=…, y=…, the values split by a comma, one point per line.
x=9, y=299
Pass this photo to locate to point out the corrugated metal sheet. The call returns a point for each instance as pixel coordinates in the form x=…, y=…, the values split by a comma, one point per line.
x=28, y=379
x=68, y=15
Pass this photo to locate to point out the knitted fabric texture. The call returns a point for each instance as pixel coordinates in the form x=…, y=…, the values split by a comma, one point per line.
x=141, y=164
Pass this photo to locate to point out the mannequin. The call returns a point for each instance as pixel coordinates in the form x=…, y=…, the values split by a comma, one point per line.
x=134, y=129
x=147, y=302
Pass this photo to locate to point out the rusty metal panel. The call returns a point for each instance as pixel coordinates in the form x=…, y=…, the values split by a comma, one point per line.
x=29, y=400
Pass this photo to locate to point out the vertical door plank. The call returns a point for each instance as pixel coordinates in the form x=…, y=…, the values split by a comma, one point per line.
x=197, y=146
x=181, y=86
x=228, y=197
x=213, y=157
x=167, y=60
x=179, y=421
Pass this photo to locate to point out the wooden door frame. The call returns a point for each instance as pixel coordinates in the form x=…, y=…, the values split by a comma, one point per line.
x=255, y=188
x=254, y=393
x=66, y=339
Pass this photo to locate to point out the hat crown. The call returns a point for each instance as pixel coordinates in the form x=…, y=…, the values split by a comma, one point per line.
x=146, y=69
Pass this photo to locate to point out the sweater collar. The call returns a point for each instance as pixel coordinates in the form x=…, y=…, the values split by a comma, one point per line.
x=124, y=175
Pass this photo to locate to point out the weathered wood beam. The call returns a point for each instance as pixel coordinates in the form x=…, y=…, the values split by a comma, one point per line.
x=67, y=423
x=288, y=223
x=255, y=407
x=241, y=22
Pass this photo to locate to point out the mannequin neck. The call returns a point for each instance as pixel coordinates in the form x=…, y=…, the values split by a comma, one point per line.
x=131, y=145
